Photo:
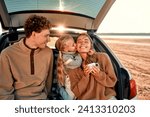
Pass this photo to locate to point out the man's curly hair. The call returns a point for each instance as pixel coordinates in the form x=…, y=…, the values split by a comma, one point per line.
x=36, y=23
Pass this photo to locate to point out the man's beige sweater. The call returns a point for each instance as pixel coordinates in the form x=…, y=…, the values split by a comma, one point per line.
x=25, y=73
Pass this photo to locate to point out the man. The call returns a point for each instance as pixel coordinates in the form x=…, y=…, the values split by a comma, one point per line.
x=26, y=66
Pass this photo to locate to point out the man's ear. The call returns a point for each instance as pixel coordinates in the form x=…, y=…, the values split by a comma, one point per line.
x=33, y=34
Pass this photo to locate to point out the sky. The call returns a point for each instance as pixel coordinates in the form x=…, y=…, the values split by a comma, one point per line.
x=127, y=16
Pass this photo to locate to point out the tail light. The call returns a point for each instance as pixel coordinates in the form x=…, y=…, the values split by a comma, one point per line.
x=133, y=91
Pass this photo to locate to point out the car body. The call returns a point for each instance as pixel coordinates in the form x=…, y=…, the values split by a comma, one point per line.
x=71, y=17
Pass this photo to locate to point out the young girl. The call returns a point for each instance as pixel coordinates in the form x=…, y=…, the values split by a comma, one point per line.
x=67, y=59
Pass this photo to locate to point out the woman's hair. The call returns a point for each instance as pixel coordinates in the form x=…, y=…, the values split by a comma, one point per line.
x=91, y=54
x=85, y=34
x=60, y=45
x=92, y=50
x=36, y=23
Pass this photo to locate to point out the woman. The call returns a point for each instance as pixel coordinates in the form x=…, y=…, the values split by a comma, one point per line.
x=92, y=82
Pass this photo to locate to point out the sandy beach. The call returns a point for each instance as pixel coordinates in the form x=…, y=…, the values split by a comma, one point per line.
x=135, y=55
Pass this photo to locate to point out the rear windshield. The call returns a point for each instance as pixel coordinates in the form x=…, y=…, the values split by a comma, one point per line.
x=86, y=7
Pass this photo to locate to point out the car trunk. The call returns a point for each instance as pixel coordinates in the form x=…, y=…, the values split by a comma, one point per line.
x=86, y=15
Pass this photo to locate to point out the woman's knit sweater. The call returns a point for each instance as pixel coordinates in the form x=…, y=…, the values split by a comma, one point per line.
x=94, y=88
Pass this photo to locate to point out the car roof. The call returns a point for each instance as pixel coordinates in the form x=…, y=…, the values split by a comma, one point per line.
x=78, y=14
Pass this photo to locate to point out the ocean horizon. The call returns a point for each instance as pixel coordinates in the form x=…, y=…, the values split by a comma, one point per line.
x=125, y=35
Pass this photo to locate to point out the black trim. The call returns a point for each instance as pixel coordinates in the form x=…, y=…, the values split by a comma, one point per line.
x=32, y=61
x=31, y=56
x=50, y=11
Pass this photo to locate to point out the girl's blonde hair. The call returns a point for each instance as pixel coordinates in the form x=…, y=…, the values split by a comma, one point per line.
x=60, y=45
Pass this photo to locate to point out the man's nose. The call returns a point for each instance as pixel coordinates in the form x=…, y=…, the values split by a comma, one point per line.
x=48, y=39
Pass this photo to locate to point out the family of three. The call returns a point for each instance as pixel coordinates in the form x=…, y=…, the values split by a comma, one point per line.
x=26, y=67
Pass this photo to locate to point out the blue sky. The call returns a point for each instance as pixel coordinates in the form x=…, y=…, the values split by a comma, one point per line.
x=127, y=16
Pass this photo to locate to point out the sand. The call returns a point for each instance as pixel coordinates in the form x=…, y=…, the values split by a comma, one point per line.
x=135, y=56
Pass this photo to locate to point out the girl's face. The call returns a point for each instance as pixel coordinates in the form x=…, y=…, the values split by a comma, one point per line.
x=83, y=44
x=70, y=46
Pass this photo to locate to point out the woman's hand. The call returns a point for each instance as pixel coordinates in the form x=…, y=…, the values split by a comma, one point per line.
x=87, y=71
x=95, y=71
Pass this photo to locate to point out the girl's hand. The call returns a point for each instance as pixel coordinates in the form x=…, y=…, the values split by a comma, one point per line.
x=67, y=82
